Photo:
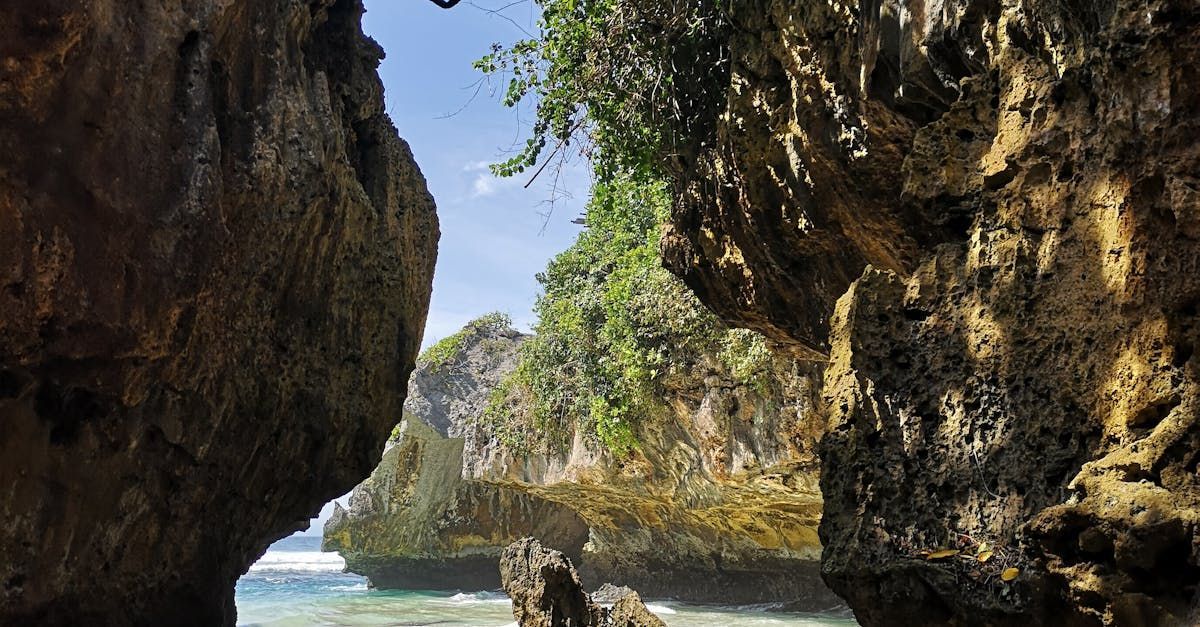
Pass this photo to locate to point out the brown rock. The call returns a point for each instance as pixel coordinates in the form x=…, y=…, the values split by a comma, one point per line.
x=215, y=263
x=545, y=589
x=629, y=611
x=608, y=593
x=546, y=592
x=1016, y=364
x=719, y=504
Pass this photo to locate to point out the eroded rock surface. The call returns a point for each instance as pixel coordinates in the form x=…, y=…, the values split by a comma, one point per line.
x=546, y=592
x=719, y=504
x=215, y=263
x=630, y=611
x=415, y=523
x=1012, y=189
x=545, y=589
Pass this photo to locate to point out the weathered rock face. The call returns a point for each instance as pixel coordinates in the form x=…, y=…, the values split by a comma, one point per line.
x=1017, y=366
x=215, y=263
x=630, y=611
x=419, y=521
x=546, y=592
x=720, y=503
x=417, y=524
x=545, y=588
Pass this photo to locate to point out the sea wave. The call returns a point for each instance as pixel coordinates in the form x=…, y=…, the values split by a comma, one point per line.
x=299, y=561
x=483, y=596
x=660, y=609
x=356, y=587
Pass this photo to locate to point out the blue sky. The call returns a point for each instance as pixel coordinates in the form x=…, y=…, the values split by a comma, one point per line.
x=495, y=233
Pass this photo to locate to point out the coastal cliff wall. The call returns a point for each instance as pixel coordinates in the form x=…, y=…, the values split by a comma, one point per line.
x=215, y=264
x=986, y=215
x=718, y=502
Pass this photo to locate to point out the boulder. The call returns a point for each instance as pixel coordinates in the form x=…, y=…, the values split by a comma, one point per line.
x=630, y=611
x=545, y=589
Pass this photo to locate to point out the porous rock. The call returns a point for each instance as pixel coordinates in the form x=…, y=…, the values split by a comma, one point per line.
x=984, y=215
x=630, y=611
x=608, y=593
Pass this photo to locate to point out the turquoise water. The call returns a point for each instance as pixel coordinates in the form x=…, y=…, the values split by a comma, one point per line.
x=295, y=585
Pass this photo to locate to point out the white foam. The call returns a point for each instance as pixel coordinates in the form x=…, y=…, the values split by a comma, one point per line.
x=479, y=597
x=299, y=561
x=660, y=609
x=358, y=587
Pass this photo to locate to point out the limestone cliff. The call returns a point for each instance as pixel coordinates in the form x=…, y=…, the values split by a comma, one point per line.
x=1001, y=199
x=416, y=524
x=719, y=502
x=215, y=263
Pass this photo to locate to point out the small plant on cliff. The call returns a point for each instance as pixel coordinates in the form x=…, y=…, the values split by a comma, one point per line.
x=749, y=361
x=506, y=416
x=450, y=348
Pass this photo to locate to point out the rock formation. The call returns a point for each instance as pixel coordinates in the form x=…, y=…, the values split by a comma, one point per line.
x=630, y=611
x=546, y=592
x=987, y=215
x=216, y=259
x=720, y=503
x=545, y=589
x=417, y=524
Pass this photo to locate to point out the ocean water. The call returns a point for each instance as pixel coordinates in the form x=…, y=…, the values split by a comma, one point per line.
x=296, y=585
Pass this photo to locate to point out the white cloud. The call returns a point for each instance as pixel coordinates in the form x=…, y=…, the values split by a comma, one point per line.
x=487, y=184
x=484, y=185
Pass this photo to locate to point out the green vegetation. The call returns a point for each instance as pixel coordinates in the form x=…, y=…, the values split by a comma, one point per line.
x=508, y=414
x=613, y=327
x=634, y=84
x=446, y=350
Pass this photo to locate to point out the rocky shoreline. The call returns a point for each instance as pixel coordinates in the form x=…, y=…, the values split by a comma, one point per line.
x=969, y=228
x=666, y=524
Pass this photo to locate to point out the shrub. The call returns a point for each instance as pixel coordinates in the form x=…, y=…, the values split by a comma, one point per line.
x=612, y=324
x=635, y=86
x=449, y=349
